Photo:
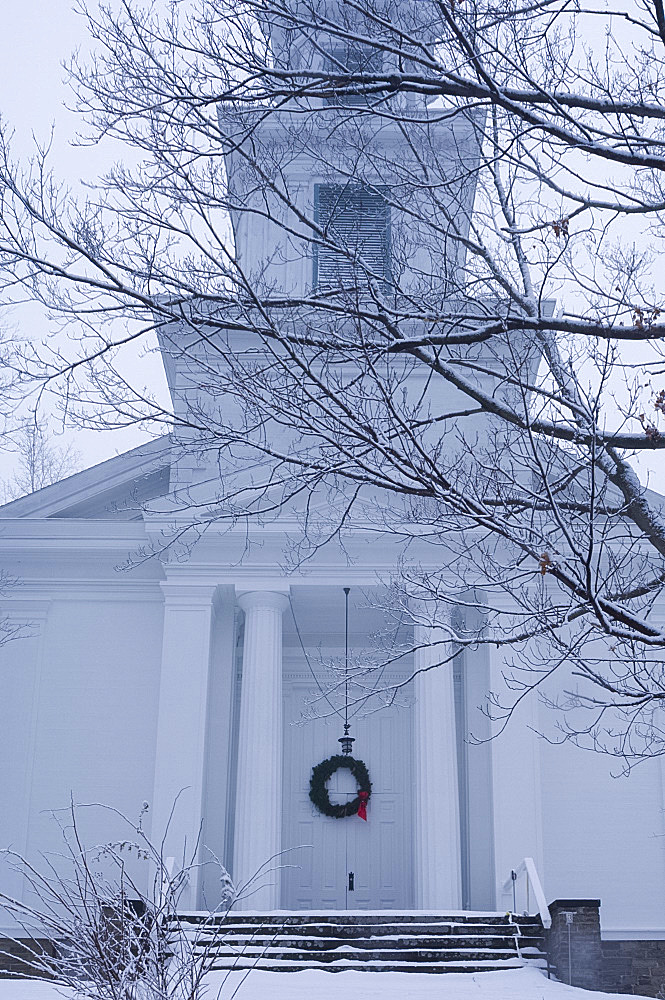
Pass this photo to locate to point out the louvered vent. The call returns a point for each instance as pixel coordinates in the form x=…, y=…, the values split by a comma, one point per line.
x=356, y=60
x=356, y=221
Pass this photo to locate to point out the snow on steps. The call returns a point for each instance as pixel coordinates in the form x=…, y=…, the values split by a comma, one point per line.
x=363, y=941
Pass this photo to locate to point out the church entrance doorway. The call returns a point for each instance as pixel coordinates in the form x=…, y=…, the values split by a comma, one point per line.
x=347, y=864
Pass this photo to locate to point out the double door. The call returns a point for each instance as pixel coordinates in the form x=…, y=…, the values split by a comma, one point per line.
x=347, y=864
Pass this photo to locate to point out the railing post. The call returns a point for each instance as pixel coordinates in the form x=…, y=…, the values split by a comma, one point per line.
x=533, y=884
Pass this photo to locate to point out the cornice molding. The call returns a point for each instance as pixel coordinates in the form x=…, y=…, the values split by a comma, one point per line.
x=27, y=534
x=58, y=589
x=262, y=576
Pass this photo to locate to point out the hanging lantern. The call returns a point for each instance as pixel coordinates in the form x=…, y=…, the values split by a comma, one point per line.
x=346, y=740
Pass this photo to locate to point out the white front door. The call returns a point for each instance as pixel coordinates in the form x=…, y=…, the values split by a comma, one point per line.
x=322, y=852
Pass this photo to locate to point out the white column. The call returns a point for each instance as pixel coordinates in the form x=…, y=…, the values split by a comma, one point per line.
x=258, y=822
x=437, y=836
x=181, y=726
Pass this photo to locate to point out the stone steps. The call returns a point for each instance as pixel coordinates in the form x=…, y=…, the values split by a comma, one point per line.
x=369, y=930
x=357, y=918
x=372, y=942
x=349, y=965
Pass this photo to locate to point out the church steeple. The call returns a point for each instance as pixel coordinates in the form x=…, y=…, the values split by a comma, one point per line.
x=343, y=153
x=304, y=33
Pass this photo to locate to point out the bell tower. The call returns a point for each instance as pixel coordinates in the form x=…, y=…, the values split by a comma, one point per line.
x=330, y=188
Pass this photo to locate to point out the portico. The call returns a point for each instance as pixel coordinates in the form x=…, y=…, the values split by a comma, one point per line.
x=413, y=833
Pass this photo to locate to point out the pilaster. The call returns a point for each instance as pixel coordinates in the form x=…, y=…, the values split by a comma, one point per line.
x=518, y=815
x=437, y=833
x=177, y=807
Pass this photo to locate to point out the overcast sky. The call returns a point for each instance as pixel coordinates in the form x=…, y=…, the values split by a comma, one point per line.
x=36, y=36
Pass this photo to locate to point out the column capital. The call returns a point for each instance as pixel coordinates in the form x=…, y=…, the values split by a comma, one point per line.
x=273, y=600
x=194, y=594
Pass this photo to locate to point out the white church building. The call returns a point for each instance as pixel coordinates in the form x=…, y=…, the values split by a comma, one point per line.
x=202, y=678
x=136, y=685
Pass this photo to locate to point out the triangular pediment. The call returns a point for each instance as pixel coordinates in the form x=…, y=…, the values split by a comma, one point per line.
x=113, y=490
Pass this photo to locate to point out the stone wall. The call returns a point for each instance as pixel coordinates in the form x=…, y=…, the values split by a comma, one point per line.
x=578, y=956
x=634, y=967
x=574, y=942
x=15, y=957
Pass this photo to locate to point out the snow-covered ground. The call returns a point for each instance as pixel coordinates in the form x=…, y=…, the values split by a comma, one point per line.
x=519, y=984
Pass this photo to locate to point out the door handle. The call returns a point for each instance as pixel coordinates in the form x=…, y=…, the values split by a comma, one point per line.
x=351, y=881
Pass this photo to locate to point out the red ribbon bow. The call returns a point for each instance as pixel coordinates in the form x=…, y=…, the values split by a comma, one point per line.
x=362, y=808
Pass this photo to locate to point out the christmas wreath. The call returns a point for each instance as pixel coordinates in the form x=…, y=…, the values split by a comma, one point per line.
x=318, y=791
